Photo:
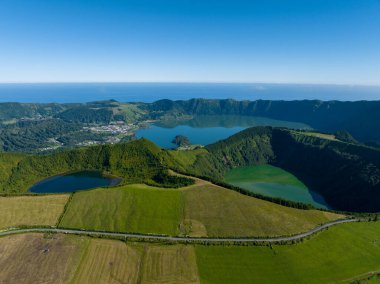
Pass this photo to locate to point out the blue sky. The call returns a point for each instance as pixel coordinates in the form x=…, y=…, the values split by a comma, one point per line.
x=298, y=41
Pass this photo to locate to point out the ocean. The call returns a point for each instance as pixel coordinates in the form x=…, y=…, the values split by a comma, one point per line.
x=149, y=92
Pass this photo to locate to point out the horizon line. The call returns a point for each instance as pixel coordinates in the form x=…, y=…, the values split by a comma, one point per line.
x=194, y=82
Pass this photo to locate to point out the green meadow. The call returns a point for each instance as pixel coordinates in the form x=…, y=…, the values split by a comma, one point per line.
x=202, y=209
x=133, y=208
x=341, y=254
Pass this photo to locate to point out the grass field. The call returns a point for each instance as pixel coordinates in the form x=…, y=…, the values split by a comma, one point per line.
x=108, y=262
x=132, y=208
x=170, y=264
x=199, y=210
x=33, y=258
x=340, y=254
x=223, y=212
x=31, y=210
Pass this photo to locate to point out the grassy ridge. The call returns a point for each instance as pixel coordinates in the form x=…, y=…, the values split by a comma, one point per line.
x=200, y=210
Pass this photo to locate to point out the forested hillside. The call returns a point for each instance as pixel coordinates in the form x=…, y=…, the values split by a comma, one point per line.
x=347, y=175
x=35, y=128
x=9, y=111
x=361, y=118
x=136, y=161
x=46, y=127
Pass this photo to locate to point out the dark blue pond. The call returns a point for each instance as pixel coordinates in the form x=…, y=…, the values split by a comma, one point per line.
x=73, y=182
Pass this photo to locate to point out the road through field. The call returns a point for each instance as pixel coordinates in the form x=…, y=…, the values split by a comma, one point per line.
x=176, y=239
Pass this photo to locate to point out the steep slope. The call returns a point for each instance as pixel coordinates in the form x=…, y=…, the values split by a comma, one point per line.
x=346, y=175
x=361, y=118
x=136, y=161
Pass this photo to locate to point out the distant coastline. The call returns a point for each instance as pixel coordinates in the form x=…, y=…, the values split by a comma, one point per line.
x=149, y=92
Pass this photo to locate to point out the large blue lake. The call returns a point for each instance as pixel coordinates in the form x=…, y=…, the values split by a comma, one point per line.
x=205, y=130
x=148, y=92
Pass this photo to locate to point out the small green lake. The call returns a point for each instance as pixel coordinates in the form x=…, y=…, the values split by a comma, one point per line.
x=274, y=182
x=74, y=182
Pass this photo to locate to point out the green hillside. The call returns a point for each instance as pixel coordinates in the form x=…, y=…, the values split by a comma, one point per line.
x=202, y=209
x=347, y=175
x=35, y=127
x=136, y=161
x=360, y=118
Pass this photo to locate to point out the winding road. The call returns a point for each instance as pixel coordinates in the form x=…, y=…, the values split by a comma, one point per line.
x=176, y=239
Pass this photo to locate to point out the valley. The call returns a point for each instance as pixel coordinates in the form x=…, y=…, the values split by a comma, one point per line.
x=256, y=200
x=189, y=142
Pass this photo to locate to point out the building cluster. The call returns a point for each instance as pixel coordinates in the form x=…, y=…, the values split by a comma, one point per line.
x=111, y=128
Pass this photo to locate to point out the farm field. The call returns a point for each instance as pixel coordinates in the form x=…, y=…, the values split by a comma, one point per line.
x=275, y=182
x=217, y=211
x=199, y=210
x=106, y=261
x=132, y=208
x=342, y=254
x=31, y=210
x=35, y=258
x=170, y=264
